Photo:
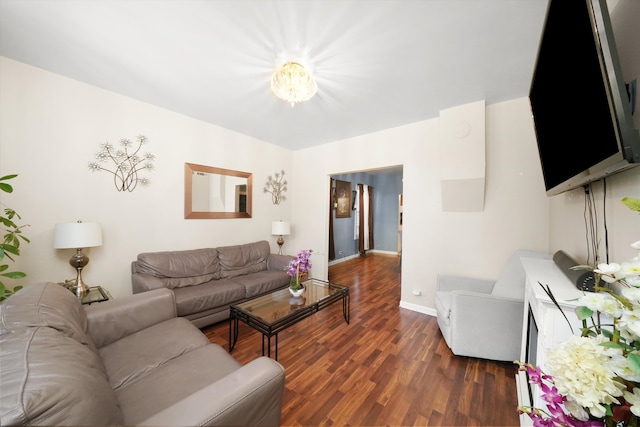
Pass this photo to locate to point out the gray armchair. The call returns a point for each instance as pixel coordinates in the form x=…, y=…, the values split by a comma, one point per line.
x=483, y=318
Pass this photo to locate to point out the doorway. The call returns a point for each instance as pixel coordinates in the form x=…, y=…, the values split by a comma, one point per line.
x=387, y=185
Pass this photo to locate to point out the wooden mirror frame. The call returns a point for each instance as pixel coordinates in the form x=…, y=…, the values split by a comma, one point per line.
x=189, y=213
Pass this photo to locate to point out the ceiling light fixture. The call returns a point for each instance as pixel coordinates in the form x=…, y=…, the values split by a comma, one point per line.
x=293, y=83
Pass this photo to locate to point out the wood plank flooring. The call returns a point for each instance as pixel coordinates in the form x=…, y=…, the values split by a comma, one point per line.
x=388, y=367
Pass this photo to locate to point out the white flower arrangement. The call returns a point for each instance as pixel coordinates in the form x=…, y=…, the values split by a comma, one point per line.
x=594, y=377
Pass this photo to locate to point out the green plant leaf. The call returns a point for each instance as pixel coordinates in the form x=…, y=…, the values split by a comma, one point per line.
x=588, y=332
x=547, y=290
x=634, y=361
x=583, y=312
x=7, y=222
x=633, y=204
x=607, y=333
x=10, y=248
x=14, y=275
x=611, y=344
x=6, y=292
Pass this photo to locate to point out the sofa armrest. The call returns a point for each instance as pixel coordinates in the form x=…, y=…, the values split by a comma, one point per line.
x=486, y=326
x=142, y=282
x=250, y=396
x=459, y=283
x=112, y=320
x=278, y=262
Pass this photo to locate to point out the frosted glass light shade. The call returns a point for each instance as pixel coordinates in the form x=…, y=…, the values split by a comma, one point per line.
x=77, y=235
x=280, y=228
x=293, y=83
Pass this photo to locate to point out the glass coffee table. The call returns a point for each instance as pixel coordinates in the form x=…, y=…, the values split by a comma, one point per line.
x=273, y=312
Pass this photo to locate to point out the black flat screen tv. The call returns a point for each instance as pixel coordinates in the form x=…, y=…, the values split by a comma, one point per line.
x=579, y=102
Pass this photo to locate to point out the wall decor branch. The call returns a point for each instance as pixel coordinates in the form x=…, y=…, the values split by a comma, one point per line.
x=127, y=165
x=276, y=186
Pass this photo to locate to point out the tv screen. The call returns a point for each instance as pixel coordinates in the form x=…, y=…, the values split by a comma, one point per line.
x=579, y=102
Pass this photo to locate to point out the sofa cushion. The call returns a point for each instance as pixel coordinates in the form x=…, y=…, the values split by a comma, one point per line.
x=177, y=379
x=46, y=304
x=243, y=259
x=49, y=378
x=262, y=281
x=181, y=268
x=140, y=353
x=195, y=299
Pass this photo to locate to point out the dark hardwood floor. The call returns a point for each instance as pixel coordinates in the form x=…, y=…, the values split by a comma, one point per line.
x=388, y=367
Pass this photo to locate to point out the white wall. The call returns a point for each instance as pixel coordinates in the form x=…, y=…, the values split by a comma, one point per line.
x=51, y=127
x=569, y=232
x=475, y=243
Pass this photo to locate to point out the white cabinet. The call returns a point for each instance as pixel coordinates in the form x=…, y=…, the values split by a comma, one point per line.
x=544, y=326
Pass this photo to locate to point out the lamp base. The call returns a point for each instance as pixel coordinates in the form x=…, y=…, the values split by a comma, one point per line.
x=280, y=242
x=81, y=289
x=79, y=261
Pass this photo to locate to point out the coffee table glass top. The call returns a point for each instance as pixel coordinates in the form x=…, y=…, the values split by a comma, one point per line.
x=277, y=305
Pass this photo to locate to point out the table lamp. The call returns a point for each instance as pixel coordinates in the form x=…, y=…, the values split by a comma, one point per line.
x=280, y=228
x=78, y=235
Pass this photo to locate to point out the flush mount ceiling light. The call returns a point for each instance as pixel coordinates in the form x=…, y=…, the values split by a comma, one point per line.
x=293, y=83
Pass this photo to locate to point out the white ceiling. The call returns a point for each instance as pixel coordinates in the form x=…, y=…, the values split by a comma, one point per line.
x=378, y=63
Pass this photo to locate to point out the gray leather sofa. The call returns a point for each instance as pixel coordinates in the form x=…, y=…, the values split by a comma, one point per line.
x=207, y=281
x=128, y=361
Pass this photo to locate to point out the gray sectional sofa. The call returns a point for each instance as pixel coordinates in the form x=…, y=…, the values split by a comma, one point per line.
x=207, y=281
x=124, y=362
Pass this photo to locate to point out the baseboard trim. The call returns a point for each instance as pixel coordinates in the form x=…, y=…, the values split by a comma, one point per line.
x=375, y=251
x=339, y=260
x=347, y=258
x=419, y=308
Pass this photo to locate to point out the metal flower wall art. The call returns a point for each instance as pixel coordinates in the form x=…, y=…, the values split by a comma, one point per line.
x=127, y=162
x=276, y=186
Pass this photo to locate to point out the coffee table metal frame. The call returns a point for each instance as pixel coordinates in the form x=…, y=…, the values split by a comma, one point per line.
x=242, y=312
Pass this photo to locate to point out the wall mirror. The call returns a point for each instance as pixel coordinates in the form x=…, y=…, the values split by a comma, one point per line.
x=216, y=193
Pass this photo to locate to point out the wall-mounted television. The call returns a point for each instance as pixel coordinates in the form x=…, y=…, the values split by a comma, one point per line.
x=580, y=104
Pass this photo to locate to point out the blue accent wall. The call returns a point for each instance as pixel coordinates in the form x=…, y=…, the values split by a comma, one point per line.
x=387, y=186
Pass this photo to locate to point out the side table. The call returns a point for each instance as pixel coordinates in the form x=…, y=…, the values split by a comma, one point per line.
x=96, y=294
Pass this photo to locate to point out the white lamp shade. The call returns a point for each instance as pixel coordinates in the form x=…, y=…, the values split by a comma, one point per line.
x=77, y=235
x=280, y=228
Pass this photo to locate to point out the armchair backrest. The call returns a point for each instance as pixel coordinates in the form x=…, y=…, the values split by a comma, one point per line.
x=511, y=282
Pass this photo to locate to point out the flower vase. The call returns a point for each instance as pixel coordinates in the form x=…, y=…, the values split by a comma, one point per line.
x=296, y=293
x=299, y=288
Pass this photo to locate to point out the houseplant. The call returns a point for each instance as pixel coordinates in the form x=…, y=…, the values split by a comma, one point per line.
x=295, y=270
x=594, y=377
x=12, y=237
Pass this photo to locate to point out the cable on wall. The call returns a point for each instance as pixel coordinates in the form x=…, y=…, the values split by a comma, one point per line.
x=604, y=218
x=591, y=225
